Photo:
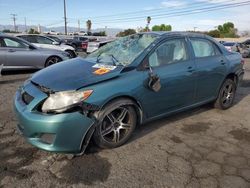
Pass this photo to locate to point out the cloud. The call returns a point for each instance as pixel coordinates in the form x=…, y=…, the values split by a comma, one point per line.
x=173, y=3
x=220, y=1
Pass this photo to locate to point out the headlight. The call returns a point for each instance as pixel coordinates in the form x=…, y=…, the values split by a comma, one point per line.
x=61, y=101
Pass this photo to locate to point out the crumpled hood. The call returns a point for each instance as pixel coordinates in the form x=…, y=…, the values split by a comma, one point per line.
x=71, y=75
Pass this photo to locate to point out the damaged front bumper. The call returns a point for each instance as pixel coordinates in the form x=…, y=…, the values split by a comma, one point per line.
x=64, y=132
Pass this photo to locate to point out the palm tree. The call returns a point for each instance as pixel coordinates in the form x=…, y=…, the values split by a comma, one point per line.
x=148, y=22
x=89, y=24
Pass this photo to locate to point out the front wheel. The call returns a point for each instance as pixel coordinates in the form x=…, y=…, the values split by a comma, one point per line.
x=52, y=60
x=226, y=95
x=71, y=53
x=116, y=124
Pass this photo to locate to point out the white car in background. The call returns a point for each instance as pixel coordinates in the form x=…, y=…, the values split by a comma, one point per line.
x=94, y=45
x=82, y=33
x=51, y=32
x=46, y=42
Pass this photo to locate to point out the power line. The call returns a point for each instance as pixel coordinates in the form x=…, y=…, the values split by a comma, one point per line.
x=178, y=13
x=159, y=10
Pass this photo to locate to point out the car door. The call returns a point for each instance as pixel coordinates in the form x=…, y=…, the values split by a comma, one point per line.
x=170, y=61
x=18, y=53
x=2, y=52
x=211, y=68
x=45, y=42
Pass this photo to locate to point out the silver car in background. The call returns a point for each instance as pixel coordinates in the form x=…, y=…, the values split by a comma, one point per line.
x=16, y=53
x=238, y=47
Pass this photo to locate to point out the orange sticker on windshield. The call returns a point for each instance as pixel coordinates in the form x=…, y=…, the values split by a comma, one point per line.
x=101, y=71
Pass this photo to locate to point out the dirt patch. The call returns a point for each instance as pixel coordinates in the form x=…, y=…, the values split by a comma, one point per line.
x=196, y=127
x=86, y=169
x=14, y=159
x=241, y=134
x=176, y=139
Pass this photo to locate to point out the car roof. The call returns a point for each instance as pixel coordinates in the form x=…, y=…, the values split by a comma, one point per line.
x=176, y=33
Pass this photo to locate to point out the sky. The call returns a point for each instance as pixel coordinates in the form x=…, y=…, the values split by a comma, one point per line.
x=126, y=13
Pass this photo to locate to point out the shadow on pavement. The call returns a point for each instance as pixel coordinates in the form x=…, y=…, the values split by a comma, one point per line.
x=16, y=72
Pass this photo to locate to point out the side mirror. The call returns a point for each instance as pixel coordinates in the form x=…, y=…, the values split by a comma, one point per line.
x=55, y=43
x=31, y=47
x=154, y=82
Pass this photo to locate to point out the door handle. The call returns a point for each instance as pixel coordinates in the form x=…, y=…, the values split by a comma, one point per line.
x=222, y=62
x=11, y=50
x=190, y=69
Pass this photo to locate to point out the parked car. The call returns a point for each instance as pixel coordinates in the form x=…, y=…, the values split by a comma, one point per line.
x=237, y=47
x=55, y=38
x=130, y=81
x=51, y=32
x=246, y=42
x=76, y=42
x=46, y=42
x=16, y=53
x=94, y=45
x=82, y=33
x=222, y=41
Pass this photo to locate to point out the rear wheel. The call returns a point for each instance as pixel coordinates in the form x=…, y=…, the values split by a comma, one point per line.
x=226, y=95
x=52, y=60
x=117, y=121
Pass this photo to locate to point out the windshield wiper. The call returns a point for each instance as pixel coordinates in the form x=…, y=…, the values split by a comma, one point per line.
x=114, y=59
x=98, y=59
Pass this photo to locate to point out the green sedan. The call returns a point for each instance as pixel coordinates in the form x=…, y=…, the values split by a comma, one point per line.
x=128, y=82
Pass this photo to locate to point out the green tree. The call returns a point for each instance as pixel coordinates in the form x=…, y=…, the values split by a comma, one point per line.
x=214, y=33
x=162, y=27
x=228, y=30
x=33, y=31
x=126, y=33
x=9, y=31
x=101, y=33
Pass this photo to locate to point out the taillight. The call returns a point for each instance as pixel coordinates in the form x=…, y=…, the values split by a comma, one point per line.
x=84, y=45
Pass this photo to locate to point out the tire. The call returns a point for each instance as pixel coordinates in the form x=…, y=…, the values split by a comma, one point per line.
x=52, y=60
x=226, y=95
x=116, y=123
x=71, y=53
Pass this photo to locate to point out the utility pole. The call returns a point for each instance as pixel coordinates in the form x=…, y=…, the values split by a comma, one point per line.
x=195, y=29
x=79, y=27
x=25, y=25
x=14, y=20
x=65, y=18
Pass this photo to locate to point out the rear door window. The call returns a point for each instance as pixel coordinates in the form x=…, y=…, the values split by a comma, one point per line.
x=204, y=48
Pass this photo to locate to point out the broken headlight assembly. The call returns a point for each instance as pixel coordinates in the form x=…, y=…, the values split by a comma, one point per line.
x=62, y=101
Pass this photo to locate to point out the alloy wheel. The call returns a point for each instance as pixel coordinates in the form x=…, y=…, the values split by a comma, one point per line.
x=227, y=94
x=52, y=60
x=116, y=125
